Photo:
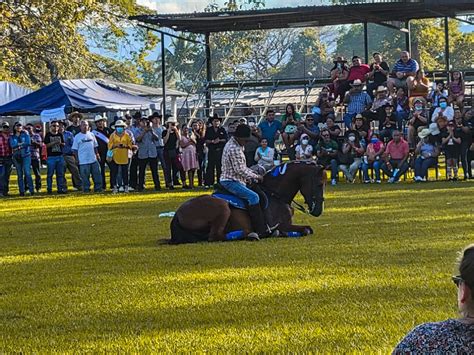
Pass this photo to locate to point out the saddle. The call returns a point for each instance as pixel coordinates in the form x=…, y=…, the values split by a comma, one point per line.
x=236, y=202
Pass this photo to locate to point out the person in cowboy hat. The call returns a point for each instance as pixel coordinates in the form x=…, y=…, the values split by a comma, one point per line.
x=235, y=176
x=357, y=102
x=427, y=155
x=376, y=111
x=357, y=71
x=417, y=120
x=102, y=134
x=339, y=74
x=75, y=117
x=216, y=137
x=171, y=137
x=120, y=144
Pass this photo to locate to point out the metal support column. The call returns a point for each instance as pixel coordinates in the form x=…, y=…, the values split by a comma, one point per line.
x=208, y=74
x=408, y=37
x=446, y=45
x=163, y=76
x=366, y=42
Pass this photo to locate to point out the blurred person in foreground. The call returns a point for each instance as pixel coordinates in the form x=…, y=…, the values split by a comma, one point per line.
x=452, y=336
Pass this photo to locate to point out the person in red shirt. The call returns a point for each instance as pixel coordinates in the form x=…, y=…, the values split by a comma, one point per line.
x=358, y=71
x=396, y=157
x=5, y=159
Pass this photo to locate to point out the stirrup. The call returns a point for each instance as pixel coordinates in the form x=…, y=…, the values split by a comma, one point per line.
x=270, y=229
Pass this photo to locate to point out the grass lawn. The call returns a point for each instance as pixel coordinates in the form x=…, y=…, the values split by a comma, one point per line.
x=85, y=273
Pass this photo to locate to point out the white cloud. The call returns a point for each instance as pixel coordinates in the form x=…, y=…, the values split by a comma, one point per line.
x=167, y=6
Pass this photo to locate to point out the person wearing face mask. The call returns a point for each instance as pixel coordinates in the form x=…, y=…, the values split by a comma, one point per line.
x=304, y=151
x=427, y=153
x=417, y=120
x=120, y=144
x=350, y=156
x=443, y=110
x=372, y=158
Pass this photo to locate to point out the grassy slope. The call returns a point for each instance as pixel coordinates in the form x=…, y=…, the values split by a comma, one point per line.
x=86, y=273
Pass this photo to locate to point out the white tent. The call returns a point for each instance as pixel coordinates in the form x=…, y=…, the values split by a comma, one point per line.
x=10, y=92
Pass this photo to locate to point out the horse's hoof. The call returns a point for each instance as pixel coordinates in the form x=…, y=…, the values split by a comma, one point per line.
x=308, y=231
x=253, y=237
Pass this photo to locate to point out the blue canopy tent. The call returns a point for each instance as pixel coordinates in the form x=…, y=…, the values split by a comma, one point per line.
x=10, y=92
x=86, y=95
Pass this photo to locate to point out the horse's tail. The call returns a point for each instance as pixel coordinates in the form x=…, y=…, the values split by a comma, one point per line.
x=181, y=235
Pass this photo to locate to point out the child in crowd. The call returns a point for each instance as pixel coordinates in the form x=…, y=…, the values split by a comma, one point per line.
x=304, y=151
x=451, y=142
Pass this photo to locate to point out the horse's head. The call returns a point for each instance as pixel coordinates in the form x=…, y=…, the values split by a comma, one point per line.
x=312, y=189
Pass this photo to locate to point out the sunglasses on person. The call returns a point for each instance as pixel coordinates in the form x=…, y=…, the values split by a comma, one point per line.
x=457, y=280
x=309, y=119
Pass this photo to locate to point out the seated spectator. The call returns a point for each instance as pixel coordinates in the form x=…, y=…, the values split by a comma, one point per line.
x=189, y=160
x=326, y=151
x=444, y=109
x=451, y=142
x=270, y=128
x=452, y=336
x=360, y=125
x=456, y=89
x=357, y=71
x=304, y=150
x=402, y=108
x=357, y=102
x=381, y=99
x=464, y=131
x=264, y=155
x=350, y=156
x=311, y=129
x=417, y=120
x=252, y=143
x=426, y=155
x=333, y=128
x=378, y=74
x=120, y=144
x=438, y=90
x=403, y=69
x=395, y=157
x=418, y=86
x=373, y=158
x=323, y=106
x=339, y=74
x=20, y=143
x=387, y=122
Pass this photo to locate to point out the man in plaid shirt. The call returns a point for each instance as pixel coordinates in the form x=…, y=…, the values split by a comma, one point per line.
x=235, y=175
x=5, y=159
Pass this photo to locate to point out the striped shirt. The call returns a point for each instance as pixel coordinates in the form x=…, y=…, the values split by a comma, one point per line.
x=358, y=102
x=409, y=67
x=234, y=165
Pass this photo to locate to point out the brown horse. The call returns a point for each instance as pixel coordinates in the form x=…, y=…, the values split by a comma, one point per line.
x=207, y=218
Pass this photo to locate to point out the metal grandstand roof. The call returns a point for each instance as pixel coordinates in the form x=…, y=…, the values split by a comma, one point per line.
x=310, y=16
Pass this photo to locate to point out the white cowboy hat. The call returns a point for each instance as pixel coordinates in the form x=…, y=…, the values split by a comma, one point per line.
x=120, y=123
x=381, y=88
x=98, y=118
x=356, y=82
x=434, y=129
x=425, y=132
x=171, y=120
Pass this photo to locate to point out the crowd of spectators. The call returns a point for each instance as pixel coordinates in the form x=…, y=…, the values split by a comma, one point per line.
x=393, y=120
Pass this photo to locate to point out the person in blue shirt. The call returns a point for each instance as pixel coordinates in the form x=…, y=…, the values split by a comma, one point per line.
x=69, y=159
x=404, y=70
x=269, y=128
x=20, y=143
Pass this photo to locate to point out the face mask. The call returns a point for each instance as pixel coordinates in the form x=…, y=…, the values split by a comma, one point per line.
x=443, y=104
x=304, y=141
x=418, y=107
x=119, y=130
x=352, y=138
x=374, y=140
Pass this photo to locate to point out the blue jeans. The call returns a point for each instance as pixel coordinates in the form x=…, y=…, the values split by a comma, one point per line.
x=56, y=166
x=401, y=116
x=23, y=171
x=242, y=191
x=5, y=171
x=422, y=166
x=161, y=157
x=376, y=165
x=86, y=170
x=334, y=167
x=348, y=117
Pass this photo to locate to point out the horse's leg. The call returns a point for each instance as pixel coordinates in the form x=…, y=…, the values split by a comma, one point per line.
x=284, y=214
x=218, y=224
x=239, y=220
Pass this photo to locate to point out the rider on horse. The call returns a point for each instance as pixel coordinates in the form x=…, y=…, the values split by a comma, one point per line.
x=235, y=175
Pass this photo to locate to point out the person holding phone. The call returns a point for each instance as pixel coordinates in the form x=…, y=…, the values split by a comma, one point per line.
x=54, y=142
x=120, y=144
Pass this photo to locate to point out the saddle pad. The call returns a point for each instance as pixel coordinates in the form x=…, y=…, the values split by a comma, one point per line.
x=234, y=201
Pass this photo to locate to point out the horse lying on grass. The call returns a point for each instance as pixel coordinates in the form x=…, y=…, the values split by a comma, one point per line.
x=208, y=218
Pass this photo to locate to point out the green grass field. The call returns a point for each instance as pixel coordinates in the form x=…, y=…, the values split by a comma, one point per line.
x=86, y=273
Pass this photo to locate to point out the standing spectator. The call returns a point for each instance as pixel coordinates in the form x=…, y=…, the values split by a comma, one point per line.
x=147, y=154
x=171, y=138
x=469, y=122
x=69, y=159
x=75, y=127
x=85, y=149
x=378, y=74
x=158, y=129
x=358, y=72
x=304, y=150
x=102, y=134
x=444, y=110
x=387, y=123
x=451, y=141
x=20, y=144
x=417, y=120
x=132, y=130
x=403, y=69
x=396, y=157
x=199, y=130
x=251, y=145
x=5, y=159
x=372, y=158
x=323, y=106
x=339, y=74
x=427, y=153
x=54, y=142
x=350, y=156
x=189, y=154
x=264, y=155
x=120, y=144
x=270, y=128
x=311, y=129
x=326, y=151
x=35, y=148
x=402, y=108
x=357, y=102
x=418, y=86
x=333, y=128
x=456, y=89
x=216, y=137
x=463, y=130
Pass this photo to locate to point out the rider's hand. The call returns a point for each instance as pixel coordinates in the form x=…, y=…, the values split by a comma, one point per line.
x=259, y=178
